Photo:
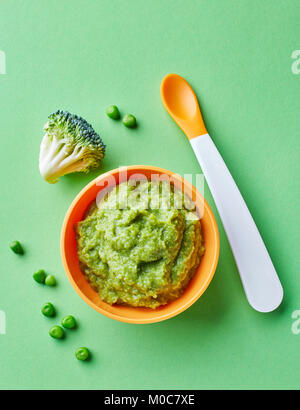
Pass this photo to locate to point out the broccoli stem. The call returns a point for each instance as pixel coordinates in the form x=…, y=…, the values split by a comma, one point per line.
x=58, y=162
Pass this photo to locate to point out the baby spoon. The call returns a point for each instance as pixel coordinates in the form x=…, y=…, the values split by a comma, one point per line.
x=259, y=278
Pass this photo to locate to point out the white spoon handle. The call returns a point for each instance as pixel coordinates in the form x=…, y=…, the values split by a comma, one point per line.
x=261, y=283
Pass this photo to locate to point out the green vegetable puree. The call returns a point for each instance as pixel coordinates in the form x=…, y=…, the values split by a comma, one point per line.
x=136, y=247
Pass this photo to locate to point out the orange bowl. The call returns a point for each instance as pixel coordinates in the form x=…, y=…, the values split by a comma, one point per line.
x=196, y=286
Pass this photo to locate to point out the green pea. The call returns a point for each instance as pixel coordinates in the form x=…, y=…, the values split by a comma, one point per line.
x=39, y=276
x=69, y=322
x=57, y=332
x=50, y=280
x=113, y=112
x=48, y=310
x=129, y=121
x=82, y=353
x=16, y=247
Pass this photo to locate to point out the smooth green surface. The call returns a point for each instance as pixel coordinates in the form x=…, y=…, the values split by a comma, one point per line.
x=237, y=56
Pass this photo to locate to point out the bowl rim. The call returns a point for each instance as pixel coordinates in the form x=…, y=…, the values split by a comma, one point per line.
x=161, y=317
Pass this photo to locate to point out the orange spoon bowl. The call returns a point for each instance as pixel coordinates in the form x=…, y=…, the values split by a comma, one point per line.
x=198, y=283
x=181, y=103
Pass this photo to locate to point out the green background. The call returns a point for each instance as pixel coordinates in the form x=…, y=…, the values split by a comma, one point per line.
x=84, y=55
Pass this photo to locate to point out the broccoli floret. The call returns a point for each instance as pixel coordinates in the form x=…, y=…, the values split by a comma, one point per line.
x=69, y=145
